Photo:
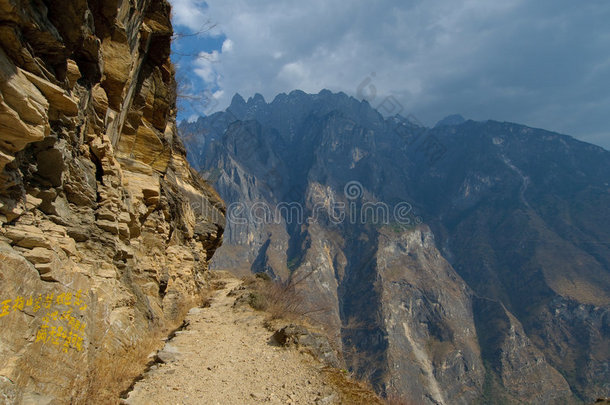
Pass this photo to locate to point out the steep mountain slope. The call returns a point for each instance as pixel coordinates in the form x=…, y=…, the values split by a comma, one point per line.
x=464, y=263
x=106, y=230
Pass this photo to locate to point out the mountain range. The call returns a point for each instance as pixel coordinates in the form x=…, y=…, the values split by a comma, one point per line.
x=464, y=263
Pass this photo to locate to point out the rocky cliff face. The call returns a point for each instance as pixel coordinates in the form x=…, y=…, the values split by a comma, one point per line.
x=460, y=264
x=106, y=230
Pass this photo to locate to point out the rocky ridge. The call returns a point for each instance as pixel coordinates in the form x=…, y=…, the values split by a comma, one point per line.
x=106, y=230
x=489, y=283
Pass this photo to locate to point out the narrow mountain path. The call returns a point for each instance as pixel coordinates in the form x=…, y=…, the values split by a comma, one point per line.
x=225, y=356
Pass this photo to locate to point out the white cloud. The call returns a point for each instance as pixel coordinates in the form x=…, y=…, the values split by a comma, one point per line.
x=227, y=46
x=539, y=62
x=204, y=67
x=190, y=13
x=293, y=72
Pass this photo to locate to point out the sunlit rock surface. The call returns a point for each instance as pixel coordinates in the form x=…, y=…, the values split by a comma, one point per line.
x=106, y=230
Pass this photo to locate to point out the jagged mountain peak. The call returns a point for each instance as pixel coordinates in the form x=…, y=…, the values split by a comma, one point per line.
x=238, y=106
x=288, y=110
x=453, y=119
x=256, y=99
x=237, y=100
x=503, y=203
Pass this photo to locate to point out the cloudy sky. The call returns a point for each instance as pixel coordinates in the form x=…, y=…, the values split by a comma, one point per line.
x=544, y=63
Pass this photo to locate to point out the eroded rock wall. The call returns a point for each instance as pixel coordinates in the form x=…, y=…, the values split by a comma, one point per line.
x=499, y=296
x=106, y=230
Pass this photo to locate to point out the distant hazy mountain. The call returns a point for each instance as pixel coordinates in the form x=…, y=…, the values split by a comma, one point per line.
x=464, y=263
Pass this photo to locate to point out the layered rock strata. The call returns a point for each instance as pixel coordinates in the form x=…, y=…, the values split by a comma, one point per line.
x=106, y=230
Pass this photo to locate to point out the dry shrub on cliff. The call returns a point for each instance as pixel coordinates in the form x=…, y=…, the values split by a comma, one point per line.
x=282, y=299
x=351, y=391
x=110, y=376
x=396, y=400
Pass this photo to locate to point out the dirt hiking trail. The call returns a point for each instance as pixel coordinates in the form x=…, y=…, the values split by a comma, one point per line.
x=225, y=356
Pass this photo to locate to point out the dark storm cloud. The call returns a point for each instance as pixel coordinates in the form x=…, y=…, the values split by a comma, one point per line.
x=542, y=63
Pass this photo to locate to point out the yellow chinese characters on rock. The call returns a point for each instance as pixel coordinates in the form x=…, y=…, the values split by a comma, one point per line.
x=60, y=327
x=65, y=337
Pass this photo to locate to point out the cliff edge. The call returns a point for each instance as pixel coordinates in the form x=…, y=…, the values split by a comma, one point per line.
x=106, y=230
